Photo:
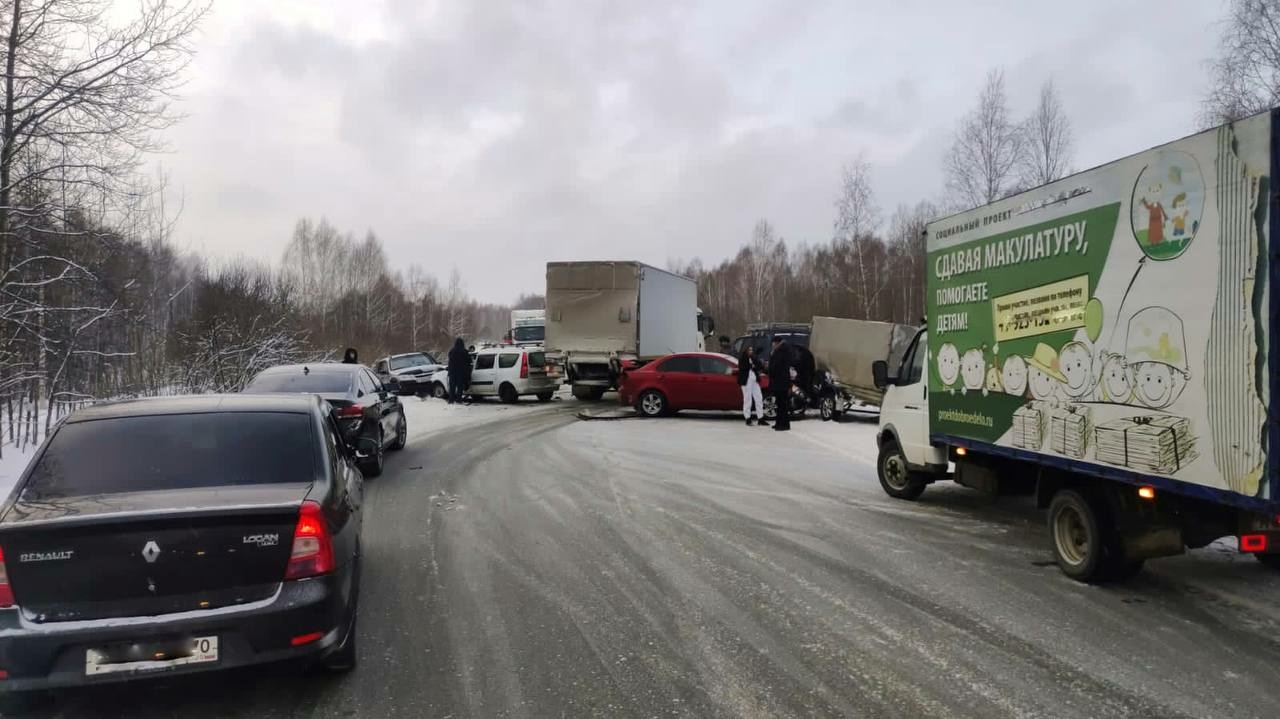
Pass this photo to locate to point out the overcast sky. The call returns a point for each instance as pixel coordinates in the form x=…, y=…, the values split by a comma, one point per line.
x=495, y=136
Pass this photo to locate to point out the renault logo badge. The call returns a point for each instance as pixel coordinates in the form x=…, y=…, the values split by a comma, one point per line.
x=151, y=551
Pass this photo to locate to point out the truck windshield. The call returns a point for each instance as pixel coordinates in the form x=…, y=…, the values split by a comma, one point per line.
x=531, y=333
x=136, y=454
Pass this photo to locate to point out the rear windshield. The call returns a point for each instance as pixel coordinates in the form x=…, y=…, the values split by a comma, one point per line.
x=326, y=382
x=535, y=333
x=135, y=454
x=537, y=359
x=410, y=361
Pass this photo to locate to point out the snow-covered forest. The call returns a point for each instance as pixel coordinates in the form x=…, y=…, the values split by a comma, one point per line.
x=95, y=301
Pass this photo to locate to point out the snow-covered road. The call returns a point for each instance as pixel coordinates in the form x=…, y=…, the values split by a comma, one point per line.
x=520, y=561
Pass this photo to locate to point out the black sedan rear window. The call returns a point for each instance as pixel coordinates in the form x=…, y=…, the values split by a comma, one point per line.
x=320, y=382
x=134, y=454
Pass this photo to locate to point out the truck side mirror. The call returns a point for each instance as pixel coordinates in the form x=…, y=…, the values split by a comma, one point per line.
x=880, y=374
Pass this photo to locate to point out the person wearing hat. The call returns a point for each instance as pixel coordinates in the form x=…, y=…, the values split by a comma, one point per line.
x=1045, y=376
x=780, y=361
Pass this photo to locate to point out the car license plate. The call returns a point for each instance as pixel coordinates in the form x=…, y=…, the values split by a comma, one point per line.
x=151, y=656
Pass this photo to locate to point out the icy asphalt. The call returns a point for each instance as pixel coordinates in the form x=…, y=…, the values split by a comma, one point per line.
x=522, y=562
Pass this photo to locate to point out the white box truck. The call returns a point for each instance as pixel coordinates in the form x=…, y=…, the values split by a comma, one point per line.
x=1107, y=342
x=528, y=327
x=604, y=315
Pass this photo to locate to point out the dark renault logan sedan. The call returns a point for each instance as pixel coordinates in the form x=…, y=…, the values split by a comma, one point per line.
x=168, y=536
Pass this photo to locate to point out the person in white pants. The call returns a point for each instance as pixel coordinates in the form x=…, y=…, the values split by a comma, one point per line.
x=749, y=372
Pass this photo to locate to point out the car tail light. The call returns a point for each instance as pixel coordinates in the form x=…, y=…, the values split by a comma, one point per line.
x=312, y=553
x=524, y=365
x=351, y=411
x=6, y=591
x=1253, y=542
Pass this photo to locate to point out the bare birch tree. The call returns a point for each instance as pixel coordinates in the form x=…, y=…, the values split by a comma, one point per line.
x=1245, y=77
x=857, y=218
x=1047, y=141
x=981, y=166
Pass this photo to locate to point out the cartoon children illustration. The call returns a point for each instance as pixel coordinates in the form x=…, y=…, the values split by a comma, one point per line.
x=1076, y=364
x=1115, y=379
x=973, y=368
x=1180, y=219
x=948, y=365
x=1155, y=221
x=1045, y=376
x=1157, y=352
x=993, y=383
x=1014, y=376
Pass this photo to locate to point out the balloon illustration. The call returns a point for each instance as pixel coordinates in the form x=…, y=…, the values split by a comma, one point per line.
x=1093, y=319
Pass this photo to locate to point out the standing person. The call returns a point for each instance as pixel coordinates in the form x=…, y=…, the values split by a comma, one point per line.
x=351, y=356
x=780, y=362
x=459, y=367
x=750, y=368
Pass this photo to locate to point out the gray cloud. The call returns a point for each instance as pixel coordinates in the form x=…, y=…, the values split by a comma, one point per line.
x=495, y=136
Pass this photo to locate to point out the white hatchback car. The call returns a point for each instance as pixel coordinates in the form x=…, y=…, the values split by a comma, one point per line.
x=507, y=372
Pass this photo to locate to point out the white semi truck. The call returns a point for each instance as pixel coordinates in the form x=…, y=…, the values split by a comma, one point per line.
x=1107, y=343
x=604, y=315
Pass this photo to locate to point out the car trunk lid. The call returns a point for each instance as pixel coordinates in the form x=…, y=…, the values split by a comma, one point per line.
x=149, y=553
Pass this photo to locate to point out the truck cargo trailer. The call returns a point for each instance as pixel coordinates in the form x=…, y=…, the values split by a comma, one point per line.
x=1107, y=342
x=604, y=315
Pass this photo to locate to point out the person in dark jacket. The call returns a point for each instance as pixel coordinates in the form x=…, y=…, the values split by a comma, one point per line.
x=351, y=356
x=750, y=370
x=459, y=369
x=780, y=362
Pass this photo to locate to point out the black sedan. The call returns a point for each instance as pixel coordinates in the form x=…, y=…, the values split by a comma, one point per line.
x=369, y=412
x=171, y=536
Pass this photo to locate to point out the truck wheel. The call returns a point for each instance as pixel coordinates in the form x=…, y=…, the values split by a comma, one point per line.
x=896, y=479
x=597, y=393
x=508, y=394
x=545, y=396
x=585, y=392
x=1075, y=528
x=652, y=403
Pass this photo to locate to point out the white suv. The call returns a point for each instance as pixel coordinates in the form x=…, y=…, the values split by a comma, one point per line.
x=507, y=372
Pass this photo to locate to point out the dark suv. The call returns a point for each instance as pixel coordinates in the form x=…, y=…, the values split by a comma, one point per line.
x=368, y=411
x=759, y=336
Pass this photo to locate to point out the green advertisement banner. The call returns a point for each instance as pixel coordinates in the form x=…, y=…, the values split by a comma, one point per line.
x=1115, y=317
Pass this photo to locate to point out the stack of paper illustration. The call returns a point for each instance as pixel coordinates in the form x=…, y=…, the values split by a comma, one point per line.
x=1028, y=426
x=1069, y=429
x=1149, y=444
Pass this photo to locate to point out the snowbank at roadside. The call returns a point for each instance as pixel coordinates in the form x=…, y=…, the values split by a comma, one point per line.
x=427, y=416
x=12, y=464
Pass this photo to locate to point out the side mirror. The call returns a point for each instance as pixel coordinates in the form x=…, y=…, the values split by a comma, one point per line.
x=880, y=374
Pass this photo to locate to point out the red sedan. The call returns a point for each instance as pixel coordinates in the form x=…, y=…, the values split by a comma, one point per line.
x=690, y=380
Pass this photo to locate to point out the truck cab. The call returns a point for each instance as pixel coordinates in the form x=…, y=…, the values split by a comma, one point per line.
x=907, y=461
